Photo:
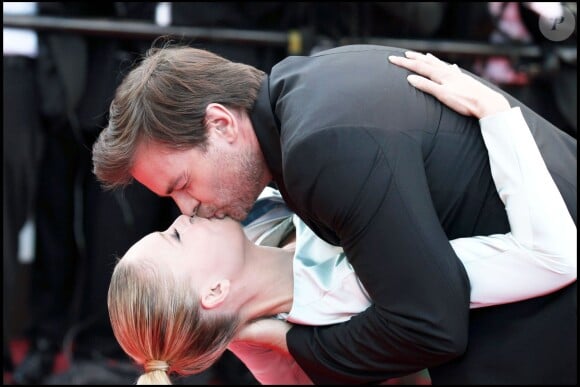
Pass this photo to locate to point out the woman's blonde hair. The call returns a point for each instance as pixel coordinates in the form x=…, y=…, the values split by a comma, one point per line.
x=157, y=319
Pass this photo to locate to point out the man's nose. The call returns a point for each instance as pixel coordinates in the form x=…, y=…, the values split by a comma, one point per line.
x=187, y=205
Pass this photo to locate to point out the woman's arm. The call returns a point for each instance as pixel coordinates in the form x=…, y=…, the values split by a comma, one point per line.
x=266, y=356
x=269, y=366
x=538, y=256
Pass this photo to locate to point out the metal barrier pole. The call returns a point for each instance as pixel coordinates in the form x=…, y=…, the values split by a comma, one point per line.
x=294, y=40
x=143, y=30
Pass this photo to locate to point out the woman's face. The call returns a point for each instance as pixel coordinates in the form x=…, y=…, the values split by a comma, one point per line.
x=204, y=248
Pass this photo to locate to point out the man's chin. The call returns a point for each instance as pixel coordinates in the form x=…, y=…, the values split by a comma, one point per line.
x=239, y=215
x=237, y=218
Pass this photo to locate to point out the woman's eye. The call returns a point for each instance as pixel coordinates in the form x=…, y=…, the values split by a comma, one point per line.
x=176, y=234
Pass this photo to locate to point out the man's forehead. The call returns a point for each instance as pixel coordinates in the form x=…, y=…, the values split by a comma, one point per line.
x=157, y=177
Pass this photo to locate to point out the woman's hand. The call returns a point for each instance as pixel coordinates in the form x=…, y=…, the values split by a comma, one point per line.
x=459, y=91
x=261, y=346
x=267, y=332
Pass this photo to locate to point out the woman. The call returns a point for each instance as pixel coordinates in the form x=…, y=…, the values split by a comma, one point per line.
x=178, y=299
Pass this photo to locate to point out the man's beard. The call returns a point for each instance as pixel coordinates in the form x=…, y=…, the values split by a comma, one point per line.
x=249, y=176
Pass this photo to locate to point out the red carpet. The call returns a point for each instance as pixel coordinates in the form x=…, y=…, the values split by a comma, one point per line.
x=18, y=348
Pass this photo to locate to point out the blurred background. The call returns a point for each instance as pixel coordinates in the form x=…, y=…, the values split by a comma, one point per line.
x=62, y=63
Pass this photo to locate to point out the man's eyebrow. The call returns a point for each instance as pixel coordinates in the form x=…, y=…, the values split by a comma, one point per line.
x=171, y=186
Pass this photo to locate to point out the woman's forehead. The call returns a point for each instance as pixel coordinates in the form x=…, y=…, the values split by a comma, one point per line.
x=153, y=244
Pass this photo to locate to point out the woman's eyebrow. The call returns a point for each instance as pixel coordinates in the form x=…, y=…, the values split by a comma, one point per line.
x=170, y=240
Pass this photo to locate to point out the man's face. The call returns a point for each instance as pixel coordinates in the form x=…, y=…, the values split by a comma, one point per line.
x=224, y=181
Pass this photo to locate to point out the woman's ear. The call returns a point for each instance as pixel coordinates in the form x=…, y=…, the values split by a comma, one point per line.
x=214, y=295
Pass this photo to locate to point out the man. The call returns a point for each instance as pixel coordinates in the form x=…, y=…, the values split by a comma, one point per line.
x=370, y=164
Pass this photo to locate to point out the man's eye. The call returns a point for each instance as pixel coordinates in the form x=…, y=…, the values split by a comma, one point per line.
x=176, y=234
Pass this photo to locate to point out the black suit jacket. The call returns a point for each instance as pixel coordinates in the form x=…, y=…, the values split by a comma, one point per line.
x=390, y=174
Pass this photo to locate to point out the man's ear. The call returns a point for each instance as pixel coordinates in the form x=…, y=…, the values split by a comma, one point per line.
x=221, y=121
x=214, y=295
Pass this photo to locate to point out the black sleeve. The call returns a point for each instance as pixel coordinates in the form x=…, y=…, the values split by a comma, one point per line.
x=373, y=194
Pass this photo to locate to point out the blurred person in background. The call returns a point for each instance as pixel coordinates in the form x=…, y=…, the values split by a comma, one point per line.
x=79, y=227
x=22, y=147
x=548, y=83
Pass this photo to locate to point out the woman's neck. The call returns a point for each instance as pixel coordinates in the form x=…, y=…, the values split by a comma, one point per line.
x=271, y=280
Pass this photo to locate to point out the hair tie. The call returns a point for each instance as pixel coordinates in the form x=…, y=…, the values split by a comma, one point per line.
x=156, y=365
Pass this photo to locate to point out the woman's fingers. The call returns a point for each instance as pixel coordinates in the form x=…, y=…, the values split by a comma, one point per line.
x=423, y=84
x=413, y=64
x=454, y=88
x=418, y=64
x=426, y=65
x=428, y=58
